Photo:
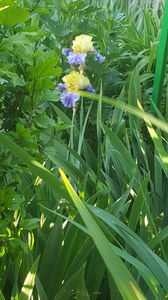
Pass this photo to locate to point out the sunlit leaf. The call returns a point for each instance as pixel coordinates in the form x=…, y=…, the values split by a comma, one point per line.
x=13, y=15
x=2, y=8
x=122, y=277
x=135, y=111
x=29, y=282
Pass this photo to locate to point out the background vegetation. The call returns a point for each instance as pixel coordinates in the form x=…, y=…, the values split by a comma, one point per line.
x=101, y=233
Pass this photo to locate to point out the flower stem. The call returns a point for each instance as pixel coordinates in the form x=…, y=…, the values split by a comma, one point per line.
x=71, y=139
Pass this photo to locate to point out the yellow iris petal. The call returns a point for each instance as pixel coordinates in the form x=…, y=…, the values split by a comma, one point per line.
x=82, y=44
x=75, y=82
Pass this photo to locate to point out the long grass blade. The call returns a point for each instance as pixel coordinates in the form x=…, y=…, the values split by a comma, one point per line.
x=154, y=262
x=1, y=296
x=133, y=110
x=28, y=285
x=158, y=143
x=122, y=277
x=161, y=60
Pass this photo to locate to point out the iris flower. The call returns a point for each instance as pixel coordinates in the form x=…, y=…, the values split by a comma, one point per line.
x=82, y=45
x=73, y=83
x=76, y=81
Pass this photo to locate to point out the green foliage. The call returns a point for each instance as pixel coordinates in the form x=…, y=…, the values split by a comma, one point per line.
x=121, y=276
x=13, y=15
x=102, y=232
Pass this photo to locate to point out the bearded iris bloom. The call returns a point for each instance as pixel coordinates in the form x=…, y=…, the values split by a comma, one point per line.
x=76, y=81
x=82, y=45
x=73, y=83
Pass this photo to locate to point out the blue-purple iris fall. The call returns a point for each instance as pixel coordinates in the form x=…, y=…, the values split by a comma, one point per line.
x=60, y=87
x=76, y=59
x=79, y=58
x=89, y=88
x=99, y=57
x=68, y=99
x=66, y=51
